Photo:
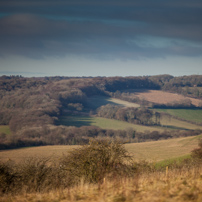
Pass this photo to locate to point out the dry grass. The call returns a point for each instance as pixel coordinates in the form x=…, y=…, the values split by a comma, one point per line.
x=163, y=149
x=21, y=154
x=174, y=185
x=161, y=97
x=176, y=182
x=152, y=151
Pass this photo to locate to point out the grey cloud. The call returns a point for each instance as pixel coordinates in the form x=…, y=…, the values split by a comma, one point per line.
x=99, y=28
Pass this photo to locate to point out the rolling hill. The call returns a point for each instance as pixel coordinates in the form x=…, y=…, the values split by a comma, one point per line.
x=151, y=151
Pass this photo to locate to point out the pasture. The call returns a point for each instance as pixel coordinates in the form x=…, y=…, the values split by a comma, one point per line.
x=164, y=149
x=194, y=115
x=104, y=123
x=173, y=123
x=95, y=102
x=151, y=151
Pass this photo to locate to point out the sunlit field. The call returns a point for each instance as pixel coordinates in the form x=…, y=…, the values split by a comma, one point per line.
x=103, y=123
x=97, y=101
x=151, y=151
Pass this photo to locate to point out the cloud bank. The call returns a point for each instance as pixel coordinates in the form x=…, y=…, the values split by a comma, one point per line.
x=101, y=29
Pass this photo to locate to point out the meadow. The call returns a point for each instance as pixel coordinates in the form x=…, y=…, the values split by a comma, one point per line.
x=193, y=115
x=103, y=123
x=174, y=123
x=167, y=123
x=95, y=102
x=154, y=151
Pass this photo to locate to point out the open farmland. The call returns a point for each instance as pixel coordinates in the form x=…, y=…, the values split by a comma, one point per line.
x=174, y=123
x=160, y=97
x=104, y=123
x=194, y=115
x=163, y=149
x=95, y=102
x=150, y=151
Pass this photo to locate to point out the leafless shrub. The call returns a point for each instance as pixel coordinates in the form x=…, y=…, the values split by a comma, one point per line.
x=97, y=160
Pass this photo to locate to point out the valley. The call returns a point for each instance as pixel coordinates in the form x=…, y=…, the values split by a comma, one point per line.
x=100, y=138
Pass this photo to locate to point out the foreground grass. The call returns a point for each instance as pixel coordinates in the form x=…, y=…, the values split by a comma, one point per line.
x=187, y=114
x=150, y=151
x=77, y=177
x=171, y=185
x=103, y=123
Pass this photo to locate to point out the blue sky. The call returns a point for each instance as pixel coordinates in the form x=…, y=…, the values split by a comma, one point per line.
x=100, y=38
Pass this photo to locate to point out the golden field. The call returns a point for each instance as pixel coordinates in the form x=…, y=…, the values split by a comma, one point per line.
x=150, y=151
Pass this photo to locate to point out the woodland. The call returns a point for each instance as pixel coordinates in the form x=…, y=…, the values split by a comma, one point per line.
x=32, y=107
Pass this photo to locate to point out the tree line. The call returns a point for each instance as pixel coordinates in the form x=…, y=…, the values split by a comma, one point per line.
x=141, y=116
x=63, y=135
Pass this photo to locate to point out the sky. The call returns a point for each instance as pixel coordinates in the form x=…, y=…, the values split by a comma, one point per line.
x=100, y=38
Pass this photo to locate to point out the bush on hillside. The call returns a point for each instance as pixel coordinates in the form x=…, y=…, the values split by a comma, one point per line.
x=7, y=178
x=98, y=160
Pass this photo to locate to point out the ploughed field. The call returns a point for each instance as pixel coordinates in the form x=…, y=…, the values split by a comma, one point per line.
x=160, y=97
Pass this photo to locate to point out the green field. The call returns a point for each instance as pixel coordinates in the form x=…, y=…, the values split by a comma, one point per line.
x=194, y=115
x=103, y=123
x=5, y=129
x=166, y=121
x=173, y=123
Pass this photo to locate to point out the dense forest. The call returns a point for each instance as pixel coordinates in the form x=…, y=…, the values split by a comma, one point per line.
x=31, y=106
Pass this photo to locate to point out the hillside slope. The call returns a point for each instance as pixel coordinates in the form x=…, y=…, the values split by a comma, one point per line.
x=150, y=151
